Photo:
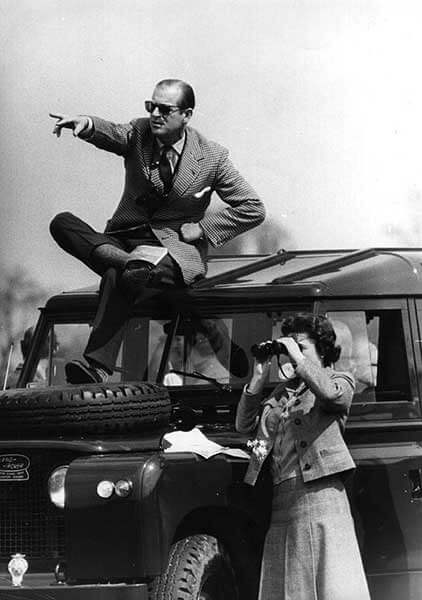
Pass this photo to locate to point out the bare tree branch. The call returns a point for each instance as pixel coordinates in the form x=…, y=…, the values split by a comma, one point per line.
x=20, y=296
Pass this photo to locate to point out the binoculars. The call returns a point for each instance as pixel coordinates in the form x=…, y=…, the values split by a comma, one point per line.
x=264, y=350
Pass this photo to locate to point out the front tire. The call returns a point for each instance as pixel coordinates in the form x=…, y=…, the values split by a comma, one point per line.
x=198, y=569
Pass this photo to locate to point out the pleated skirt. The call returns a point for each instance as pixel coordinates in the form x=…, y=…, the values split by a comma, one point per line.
x=311, y=550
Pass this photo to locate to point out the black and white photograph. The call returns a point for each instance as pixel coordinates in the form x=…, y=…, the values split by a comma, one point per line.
x=211, y=300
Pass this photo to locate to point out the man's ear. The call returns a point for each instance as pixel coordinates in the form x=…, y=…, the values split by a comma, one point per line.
x=188, y=114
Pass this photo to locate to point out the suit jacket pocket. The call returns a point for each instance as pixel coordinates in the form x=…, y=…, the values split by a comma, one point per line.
x=331, y=451
x=191, y=205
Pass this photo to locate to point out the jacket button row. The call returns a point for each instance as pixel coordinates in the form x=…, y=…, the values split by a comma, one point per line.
x=306, y=467
x=298, y=422
x=303, y=444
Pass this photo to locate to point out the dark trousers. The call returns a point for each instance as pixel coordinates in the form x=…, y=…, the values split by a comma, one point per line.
x=79, y=239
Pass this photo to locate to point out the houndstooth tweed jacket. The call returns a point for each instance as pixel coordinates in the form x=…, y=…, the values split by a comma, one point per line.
x=203, y=163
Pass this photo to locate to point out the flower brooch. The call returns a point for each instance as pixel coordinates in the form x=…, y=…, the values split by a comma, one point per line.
x=260, y=448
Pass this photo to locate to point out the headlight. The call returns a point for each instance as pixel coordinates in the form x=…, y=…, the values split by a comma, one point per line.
x=105, y=489
x=56, y=486
x=123, y=487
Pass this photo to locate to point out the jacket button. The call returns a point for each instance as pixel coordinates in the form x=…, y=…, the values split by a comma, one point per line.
x=306, y=467
x=297, y=402
x=303, y=444
x=298, y=422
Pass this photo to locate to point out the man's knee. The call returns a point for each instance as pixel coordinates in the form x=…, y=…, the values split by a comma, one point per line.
x=60, y=223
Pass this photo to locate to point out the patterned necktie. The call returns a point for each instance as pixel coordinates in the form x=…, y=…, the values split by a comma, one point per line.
x=165, y=169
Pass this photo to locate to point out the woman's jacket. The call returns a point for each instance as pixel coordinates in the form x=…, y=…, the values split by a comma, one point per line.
x=318, y=411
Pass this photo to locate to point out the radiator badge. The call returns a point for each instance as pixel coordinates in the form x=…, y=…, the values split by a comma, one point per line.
x=14, y=467
x=17, y=567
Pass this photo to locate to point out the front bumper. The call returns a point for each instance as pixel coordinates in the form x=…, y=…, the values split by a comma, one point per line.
x=45, y=587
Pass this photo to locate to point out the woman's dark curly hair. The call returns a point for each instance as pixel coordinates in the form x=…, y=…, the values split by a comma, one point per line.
x=319, y=329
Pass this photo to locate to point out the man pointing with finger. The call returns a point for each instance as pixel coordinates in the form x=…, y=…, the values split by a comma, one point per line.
x=159, y=233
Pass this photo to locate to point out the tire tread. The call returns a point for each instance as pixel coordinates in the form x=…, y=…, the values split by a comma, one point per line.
x=187, y=563
x=90, y=408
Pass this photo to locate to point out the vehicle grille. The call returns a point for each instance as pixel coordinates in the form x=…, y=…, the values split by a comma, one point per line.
x=29, y=522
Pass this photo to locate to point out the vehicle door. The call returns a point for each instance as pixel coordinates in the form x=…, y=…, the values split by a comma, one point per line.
x=379, y=339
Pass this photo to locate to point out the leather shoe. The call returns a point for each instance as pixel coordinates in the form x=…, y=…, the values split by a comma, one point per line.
x=137, y=275
x=77, y=372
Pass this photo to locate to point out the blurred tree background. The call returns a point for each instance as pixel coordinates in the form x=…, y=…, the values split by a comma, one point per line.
x=20, y=297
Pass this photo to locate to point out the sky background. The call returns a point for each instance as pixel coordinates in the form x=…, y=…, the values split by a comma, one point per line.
x=318, y=101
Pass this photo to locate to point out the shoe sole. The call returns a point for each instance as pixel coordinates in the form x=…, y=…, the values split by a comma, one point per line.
x=78, y=373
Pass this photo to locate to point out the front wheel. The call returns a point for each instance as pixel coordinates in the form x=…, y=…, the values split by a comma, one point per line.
x=198, y=569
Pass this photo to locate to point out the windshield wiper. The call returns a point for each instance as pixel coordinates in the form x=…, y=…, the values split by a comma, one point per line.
x=223, y=387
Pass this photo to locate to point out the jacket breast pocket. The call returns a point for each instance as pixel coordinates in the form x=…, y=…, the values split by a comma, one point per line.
x=193, y=206
x=331, y=451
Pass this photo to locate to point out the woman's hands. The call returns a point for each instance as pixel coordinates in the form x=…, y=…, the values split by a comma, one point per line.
x=260, y=374
x=261, y=369
x=287, y=369
x=293, y=350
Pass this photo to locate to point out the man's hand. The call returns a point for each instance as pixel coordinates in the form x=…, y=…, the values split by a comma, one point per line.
x=191, y=232
x=77, y=124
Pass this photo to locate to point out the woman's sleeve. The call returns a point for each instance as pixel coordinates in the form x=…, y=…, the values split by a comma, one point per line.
x=333, y=389
x=247, y=415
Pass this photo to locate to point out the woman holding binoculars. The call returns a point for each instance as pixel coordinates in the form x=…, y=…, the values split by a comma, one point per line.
x=311, y=551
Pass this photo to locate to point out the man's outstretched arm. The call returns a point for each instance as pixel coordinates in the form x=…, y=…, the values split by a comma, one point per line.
x=103, y=134
x=79, y=124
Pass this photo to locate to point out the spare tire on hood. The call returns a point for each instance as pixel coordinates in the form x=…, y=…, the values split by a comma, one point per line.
x=86, y=408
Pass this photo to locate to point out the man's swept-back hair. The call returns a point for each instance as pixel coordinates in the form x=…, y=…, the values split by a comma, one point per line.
x=187, y=98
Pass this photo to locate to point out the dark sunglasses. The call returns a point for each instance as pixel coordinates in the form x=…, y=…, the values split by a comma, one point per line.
x=164, y=109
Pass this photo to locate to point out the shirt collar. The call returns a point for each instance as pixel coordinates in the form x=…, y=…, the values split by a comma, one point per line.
x=177, y=146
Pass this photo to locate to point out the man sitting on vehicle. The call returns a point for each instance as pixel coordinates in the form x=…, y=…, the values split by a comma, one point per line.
x=171, y=172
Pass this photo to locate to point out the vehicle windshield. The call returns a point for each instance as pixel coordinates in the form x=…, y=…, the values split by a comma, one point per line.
x=181, y=350
x=203, y=350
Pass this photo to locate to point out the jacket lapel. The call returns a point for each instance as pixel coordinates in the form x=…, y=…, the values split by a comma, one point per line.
x=150, y=170
x=187, y=170
x=189, y=166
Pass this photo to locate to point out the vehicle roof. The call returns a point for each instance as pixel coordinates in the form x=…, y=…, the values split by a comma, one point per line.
x=309, y=273
x=368, y=272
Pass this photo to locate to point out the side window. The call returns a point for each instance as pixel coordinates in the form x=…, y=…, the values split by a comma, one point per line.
x=374, y=351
